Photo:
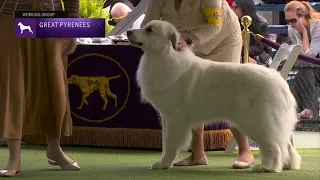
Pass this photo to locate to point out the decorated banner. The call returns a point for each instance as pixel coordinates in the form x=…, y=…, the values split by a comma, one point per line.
x=59, y=27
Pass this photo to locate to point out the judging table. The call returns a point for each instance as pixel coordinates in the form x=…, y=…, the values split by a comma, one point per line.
x=106, y=107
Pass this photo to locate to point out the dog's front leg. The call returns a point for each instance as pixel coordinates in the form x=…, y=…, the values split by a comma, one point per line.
x=175, y=136
x=164, y=130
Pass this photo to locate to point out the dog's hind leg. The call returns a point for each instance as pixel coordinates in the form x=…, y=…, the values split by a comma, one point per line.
x=112, y=95
x=176, y=135
x=104, y=97
x=294, y=160
x=271, y=157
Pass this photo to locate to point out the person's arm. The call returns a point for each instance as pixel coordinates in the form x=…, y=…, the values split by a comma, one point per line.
x=72, y=8
x=305, y=40
x=256, y=48
x=292, y=36
x=212, y=12
x=153, y=12
x=73, y=11
x=314, y=46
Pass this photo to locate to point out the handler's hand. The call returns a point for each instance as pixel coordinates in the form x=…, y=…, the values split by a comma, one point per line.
x=251, y=60
x=182, y=44
x=70, y=46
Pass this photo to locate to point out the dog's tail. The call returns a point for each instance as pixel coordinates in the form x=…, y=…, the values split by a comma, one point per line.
x=291, y=104
x=294, y=159
x=113, y=77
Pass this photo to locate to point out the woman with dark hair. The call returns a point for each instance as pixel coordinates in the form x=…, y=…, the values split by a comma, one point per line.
x=258, y=52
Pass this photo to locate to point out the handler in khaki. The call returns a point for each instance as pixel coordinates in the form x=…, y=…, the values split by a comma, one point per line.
x=213, y=31
x=33, y=85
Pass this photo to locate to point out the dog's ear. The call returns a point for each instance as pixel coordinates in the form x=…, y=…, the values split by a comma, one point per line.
x=174, y=41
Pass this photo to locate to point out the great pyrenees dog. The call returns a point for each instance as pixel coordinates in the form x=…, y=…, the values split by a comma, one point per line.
x=189, y=91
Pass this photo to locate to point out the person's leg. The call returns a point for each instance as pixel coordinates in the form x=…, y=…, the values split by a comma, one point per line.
x=245, y=158
x=198, y=156
x=12, y=94
x=61, y=124
x=14, y=163
x=305, y=86
x=56, y=156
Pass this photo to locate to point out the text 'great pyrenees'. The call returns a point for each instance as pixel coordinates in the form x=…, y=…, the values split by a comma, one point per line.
x=189, y=91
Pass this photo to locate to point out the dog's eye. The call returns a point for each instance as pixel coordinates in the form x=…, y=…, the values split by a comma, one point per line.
x=149, y=29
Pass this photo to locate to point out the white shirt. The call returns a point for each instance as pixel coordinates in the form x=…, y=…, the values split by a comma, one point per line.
x=296, y=38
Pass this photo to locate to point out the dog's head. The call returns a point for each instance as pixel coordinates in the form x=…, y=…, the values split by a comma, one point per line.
x=19, y=24
x=156, y=36
x=73, y=79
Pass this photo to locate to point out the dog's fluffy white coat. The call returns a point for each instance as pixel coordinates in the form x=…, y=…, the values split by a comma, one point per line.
x=189, y=91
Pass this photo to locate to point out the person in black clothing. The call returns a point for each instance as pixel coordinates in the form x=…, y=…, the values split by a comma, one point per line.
x=258, y=52
x=130, y=3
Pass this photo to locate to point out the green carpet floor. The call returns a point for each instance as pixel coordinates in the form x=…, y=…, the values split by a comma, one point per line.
x=111, y=164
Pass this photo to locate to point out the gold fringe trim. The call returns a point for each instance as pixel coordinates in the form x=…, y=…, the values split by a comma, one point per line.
x=129, y=138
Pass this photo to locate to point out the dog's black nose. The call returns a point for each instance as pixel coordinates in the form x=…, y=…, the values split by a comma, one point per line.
x=129, y=33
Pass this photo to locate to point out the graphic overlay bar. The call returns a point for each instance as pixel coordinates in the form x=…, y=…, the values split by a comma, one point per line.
x=40, y=14
x=59, y=27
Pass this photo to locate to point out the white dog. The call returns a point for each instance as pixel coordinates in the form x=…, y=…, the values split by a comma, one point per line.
x=188, y=91
x=24, y=27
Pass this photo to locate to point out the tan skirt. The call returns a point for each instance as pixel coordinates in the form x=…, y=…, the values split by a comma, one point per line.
x=33, y=85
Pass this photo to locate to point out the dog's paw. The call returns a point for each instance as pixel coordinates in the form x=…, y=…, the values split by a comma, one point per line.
x=263, y=169
x=160, y=165
x=286, y=167
x=259, y=168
